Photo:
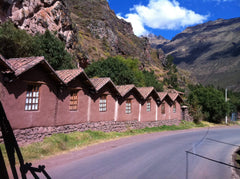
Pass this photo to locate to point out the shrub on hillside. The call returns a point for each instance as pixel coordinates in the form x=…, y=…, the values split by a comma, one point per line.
x=18, y=43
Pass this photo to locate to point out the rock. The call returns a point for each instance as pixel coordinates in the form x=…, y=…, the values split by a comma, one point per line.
x=36, y=16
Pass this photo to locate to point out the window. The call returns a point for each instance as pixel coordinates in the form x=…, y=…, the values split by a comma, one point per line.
x=32, y=98
x=103, y=104
x=128, y=106
x=174, y=108
x=148, y=105
x=73, y=101
x=163, y=108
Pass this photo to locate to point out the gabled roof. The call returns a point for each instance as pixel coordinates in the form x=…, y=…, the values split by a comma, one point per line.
x=173, y=96
x=146, y=91
x=124, y=89
x=162, y=95
x=99, y=83
x=5, y=64
x=21, y=65
x=69, y=75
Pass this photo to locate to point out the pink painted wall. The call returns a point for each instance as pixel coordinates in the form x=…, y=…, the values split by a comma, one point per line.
x=122, y=116
x=178, y=113
x=13, y=96
x=108, y=115
x=148, y=115
x=167, y=114
x=65, y=115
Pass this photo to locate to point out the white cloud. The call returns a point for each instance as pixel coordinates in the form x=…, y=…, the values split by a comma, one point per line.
x=162, y=14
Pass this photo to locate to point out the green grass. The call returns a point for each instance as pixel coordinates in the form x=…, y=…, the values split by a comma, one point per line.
x=59, y=143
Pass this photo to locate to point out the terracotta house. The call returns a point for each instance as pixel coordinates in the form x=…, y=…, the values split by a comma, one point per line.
x=164, y=107
x=29, y=90
x=34, y=95
x=74, y=98
x=104, y=101
x=149, y=106
x=175, y=107
x=129, y=103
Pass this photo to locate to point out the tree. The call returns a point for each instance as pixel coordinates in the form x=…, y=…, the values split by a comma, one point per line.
x=171, y=78
x=18, y=43
x=53, y=49
x=15, y=42
x=210, y=100
x=119, y=72
x=151, y=80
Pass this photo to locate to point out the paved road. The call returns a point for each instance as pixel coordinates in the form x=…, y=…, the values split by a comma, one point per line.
x=160, y=155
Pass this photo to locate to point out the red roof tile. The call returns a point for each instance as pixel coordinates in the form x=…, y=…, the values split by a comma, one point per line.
x=124, y=89
x=98, y=83
x=5, y=64
x=162, y=95
x=69, y=75
x=20, y=65
x=145, y=91
x=173, y=96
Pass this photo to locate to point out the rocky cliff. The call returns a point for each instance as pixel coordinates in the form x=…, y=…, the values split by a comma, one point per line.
x=101, y=33
x=36, y=16
x=90, y=29
x=211, y=51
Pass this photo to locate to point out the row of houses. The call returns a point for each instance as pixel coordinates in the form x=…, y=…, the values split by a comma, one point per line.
x=35, y=95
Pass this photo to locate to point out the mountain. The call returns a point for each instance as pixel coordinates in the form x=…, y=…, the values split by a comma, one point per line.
x=211, y=51
x=90, y=29
x=101, y=34
x=156, y=40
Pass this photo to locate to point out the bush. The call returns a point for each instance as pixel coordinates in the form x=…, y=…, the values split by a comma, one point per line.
x=119, y=72
x=211, y=102
x=18, y=43
x=123, y=71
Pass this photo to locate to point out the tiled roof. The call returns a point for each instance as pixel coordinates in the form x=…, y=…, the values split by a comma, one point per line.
x=5, y=63
x=69, y=75
x=145, y=91
x=98, y=83
x=124, y=89
x=173, y=96
x=20, y=65
x=162, y=95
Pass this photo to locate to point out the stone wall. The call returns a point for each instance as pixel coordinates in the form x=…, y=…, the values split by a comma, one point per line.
x=185, y=114
x=36, y=134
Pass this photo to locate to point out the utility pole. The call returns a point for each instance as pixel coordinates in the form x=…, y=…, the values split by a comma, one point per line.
x=226, y=118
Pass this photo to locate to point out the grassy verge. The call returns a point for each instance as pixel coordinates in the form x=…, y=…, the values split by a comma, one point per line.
x=59, y=143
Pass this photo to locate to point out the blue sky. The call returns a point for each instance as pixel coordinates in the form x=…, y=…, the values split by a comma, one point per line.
x=169, y=17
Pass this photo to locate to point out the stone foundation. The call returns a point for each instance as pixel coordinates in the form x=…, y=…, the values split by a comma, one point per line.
x=36, y=134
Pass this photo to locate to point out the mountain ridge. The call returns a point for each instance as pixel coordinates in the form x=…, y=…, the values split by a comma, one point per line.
x=210, y=51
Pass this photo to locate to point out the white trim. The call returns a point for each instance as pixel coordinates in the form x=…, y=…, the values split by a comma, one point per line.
x=156, y=117
x=89, y=109
x=139, y=113
x=116, y=110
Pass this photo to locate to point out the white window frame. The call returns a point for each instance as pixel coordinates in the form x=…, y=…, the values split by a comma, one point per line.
x=32, y=97
x=128, y=109
x=103, y=104
x=148, y=105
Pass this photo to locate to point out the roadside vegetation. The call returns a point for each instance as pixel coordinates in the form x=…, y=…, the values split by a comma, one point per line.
x=208, y=103
x=60, y=143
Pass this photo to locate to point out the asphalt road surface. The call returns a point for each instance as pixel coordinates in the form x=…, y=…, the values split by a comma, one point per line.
x=159, y=155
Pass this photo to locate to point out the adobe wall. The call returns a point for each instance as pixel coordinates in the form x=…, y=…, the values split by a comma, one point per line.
x=148, y=115
x=95, y=115
x=36, y=134
x=14, y=96
x=122, y=116
x=65, y=116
